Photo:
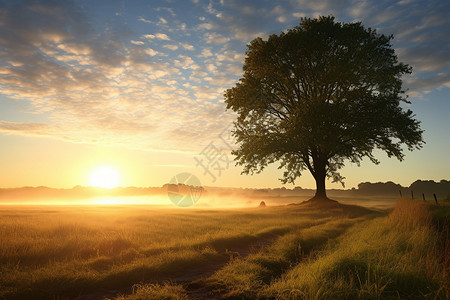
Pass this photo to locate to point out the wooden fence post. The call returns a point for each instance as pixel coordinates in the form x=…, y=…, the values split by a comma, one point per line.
x=400, y=191
x=423, y=197
x=412, y=195
x=435, y=199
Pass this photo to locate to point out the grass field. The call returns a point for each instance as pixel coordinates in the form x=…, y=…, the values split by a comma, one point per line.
x=280, y=252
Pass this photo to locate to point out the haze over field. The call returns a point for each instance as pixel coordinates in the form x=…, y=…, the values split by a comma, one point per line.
x=374, y=195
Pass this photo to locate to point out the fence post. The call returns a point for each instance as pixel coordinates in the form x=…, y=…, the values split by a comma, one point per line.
x=400, y=191
x=412, y=195
x=423, y=196
x=435, y=199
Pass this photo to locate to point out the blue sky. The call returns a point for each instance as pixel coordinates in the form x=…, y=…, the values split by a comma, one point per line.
x=139, y=85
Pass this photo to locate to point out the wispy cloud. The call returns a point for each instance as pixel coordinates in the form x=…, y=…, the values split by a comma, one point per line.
x=171, y=47
x=161, y=36
x=22, y=128
x=187, y=47
x=216, y=38
x=137, y=42
x=144, y=20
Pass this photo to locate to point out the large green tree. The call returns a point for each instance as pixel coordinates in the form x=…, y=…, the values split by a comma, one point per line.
x=319, y=95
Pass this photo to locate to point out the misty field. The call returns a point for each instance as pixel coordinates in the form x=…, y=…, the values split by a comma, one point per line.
x=279, y=252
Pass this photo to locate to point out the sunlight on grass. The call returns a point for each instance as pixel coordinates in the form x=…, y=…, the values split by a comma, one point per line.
x=246, y=277
x=394, y=257
x=286, y=252
x=117, y=245
x=166, y=291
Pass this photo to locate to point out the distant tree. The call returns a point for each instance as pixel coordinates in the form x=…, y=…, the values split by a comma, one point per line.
x=317, y=95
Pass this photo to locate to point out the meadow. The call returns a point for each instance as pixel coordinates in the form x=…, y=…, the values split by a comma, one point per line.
x=275, y=252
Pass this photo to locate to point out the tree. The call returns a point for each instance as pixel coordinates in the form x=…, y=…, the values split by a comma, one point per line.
x=318, y=95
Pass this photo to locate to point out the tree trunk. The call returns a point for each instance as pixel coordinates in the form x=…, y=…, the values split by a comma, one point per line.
x=320, y=185
x=320, y=198
x=319, y=173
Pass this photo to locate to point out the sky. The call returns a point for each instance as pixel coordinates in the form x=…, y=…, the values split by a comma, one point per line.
x=138, y=86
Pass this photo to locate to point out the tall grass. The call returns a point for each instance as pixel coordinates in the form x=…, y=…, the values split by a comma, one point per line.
x=166, y=291
x=306, y=253
x=52, y=252
x=245, y=278
x=394, y=257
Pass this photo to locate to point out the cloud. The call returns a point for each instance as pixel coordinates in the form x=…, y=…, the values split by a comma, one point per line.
x=320, y=5
x=230, y=56
x=160, y=36
x=187, y=46
x=216, y=38
x=206, y=52
x=420, y=29
x=102, y=84
x=185, y=62
x=419, y=56
x=23, y=128
x=168, y=9
x=220, y=81
x=244, y=22
x=98, y=86
x=171, y=47
x=279, y=13
x=151, y=52
x=421, y=36
x=137, y=42
x=210, y=67
x=299, y=15
x=207, y=26
x=417, y=85
x=144, y=20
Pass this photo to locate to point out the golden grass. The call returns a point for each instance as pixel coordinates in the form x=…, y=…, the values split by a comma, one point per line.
x=65, y=251
x=306, y=253
x=166, y=291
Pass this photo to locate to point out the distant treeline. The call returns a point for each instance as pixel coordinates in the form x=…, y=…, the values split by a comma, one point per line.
x=419, y=187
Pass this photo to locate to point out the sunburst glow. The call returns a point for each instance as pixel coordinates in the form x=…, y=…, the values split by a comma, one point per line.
x=104, y=177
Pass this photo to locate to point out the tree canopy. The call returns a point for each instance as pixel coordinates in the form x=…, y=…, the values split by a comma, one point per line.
x=318, y=95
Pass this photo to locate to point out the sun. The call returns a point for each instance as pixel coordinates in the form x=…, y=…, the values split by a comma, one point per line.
x=104, y=177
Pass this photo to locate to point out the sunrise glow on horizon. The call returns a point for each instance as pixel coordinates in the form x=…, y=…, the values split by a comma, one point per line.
x=113, y=93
